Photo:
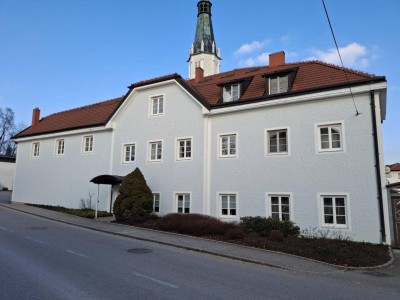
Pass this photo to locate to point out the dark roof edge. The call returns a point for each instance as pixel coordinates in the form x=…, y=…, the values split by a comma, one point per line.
x=154, y=80
x=193, y=92
x=297, y=93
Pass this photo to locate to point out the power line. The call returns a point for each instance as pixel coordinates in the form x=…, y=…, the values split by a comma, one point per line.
x=340, y=57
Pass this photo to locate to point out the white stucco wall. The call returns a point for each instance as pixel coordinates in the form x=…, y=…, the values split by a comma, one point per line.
x=7, y=174
x=182, y=118
x=304, y=173
x=393, y=177
x=62, y=180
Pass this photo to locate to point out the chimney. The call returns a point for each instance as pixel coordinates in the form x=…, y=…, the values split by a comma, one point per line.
x=277, y=59
x=199, y=75
x=35, y=116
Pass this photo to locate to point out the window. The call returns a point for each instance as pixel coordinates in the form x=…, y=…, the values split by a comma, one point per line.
x=227, y=145
x=128, y=153
x=280, y=207
x=398, y=175
x=228, y=205
x=335, y=211
x=184, y=149
x=88, y=144
x=157, y=105
x=35, y=150
x=155, y=151
x=60, y=147
x=277, y=141
x=231, y=92
x=156, y=202
x=183, y=203
x=330, y=137
x=278, y=84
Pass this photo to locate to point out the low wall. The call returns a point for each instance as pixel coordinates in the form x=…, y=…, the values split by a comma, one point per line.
x=5, y=196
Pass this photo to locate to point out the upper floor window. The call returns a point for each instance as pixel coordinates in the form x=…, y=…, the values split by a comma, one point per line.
x=35, y=149
x=157, y=106
x=398, y=175
x=277, y=141
x=278, y=84
x=184, y=149
x=334, y=211
x=60, y=147
x=227, y=145
x=330, y=137
x=155, y=151
x=129, y=153
x=231, y=92
x=156, y=202
x=88, y=144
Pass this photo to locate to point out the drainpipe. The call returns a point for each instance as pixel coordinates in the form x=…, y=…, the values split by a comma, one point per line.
x=378, y=168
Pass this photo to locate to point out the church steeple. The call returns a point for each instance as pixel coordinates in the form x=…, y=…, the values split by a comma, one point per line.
x=204, y=52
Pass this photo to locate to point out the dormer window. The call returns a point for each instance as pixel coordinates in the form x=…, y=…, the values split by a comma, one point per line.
x=279, y=84
x=231, y=92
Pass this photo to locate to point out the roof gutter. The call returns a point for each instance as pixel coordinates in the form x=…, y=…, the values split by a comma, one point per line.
x=377, y=169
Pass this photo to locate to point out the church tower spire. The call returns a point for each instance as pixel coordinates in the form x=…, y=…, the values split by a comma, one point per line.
x=204, y=52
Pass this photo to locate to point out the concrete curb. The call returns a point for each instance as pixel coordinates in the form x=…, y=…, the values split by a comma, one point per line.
x=338, y=267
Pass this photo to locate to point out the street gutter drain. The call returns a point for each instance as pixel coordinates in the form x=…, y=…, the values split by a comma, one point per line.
x=38, y=228
x=140, y=250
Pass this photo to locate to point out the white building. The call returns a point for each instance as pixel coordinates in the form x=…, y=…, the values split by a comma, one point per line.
x=7, y=172
x=282, y=140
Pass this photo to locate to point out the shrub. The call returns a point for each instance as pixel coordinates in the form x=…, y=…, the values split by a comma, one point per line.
x=276, y=236
x=135, y=198
x=235, y=233
x=263, y=226
x=194, y=224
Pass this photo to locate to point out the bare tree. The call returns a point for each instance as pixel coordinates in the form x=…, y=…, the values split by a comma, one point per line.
x=7, y=130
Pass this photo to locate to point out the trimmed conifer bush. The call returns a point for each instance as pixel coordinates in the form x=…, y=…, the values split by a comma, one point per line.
x=135, y=199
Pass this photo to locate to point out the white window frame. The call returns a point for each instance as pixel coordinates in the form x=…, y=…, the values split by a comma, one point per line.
x=176, y=195
x=177, y=150
x=91, y=143
x=268, y=197
x=229, y=134
x=335, y=195
x=267, y=132
x=149, y=146
x=152, y=102
x=230, y=94
x=35, y=150
x=154, y=202
x=130, y=145
x=279, y=79
x=228, y=216
x=330, y=125
x=57, y=148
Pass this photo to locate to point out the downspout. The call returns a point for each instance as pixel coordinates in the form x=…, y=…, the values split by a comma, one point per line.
x=378, y=168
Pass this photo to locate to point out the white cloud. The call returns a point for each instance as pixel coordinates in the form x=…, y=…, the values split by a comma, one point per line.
x=353, y=55
x=261, y=59
x=251, y=47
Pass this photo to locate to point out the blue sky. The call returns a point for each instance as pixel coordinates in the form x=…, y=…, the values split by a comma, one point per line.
x=62, y=54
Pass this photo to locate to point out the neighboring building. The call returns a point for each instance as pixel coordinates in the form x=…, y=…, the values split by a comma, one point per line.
x=393, y=173
x=281, y=140
x=7, y=172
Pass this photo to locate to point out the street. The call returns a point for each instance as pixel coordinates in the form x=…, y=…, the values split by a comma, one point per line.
x=43, y=259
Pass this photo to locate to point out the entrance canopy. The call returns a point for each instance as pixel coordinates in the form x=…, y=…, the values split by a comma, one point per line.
x=107, y=179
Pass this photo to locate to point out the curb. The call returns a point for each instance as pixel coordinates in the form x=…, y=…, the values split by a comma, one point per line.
x=338, y=267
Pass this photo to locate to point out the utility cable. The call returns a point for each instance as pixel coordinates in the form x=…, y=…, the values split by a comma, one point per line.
x=340, y=57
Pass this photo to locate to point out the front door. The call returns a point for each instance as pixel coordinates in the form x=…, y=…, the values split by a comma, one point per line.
x=396, y=220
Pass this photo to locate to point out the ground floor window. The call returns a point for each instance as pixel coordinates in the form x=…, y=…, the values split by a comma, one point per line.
x=183, y=203
x=335, y=211
x=280, y=207
x=228, y=204
x=156, y=202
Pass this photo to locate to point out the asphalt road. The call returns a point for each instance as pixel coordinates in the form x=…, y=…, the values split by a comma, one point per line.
x=42, y=259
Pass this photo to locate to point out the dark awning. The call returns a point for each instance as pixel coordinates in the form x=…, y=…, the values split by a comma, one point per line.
x=107, y=179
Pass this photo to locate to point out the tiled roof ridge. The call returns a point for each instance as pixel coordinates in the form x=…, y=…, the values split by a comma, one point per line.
x=333, y=66
x=155, y=79
x=394, y=167
x=105, y=102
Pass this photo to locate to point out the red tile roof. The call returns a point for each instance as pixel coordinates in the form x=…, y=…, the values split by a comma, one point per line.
x=86, y=116
x=395, y=167
x=310, y=75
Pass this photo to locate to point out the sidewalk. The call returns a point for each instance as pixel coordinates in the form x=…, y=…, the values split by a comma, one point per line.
x=247, y=254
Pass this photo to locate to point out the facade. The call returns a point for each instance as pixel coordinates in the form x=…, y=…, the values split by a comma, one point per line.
x=393, y=173
x=7, y=172
x=281, y=140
